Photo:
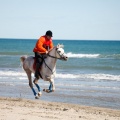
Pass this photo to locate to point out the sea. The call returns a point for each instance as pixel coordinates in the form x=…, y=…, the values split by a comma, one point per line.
x=90, y=77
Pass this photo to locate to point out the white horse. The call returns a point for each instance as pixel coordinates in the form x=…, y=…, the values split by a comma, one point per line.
x=47, y=71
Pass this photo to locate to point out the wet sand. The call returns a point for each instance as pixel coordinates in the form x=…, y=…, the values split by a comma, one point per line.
x=25, y=109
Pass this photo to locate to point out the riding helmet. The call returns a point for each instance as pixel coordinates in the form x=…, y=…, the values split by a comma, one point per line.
x=49, y=33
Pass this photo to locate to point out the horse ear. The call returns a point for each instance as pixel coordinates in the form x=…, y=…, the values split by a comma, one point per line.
x=62, y=46
x=58, y=46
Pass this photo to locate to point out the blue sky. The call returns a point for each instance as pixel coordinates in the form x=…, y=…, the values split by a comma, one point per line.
x=68, y=19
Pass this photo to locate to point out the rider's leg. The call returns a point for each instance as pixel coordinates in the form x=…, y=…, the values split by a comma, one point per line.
x=37, y=71
x=38, y=64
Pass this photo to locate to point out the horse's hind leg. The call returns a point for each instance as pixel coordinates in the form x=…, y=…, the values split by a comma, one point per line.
x=31, y=84
x=38, y=87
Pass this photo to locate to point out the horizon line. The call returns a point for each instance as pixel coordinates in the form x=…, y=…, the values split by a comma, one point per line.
x=65, y=39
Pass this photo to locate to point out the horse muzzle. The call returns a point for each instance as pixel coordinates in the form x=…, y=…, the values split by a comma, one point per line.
x=64, y=58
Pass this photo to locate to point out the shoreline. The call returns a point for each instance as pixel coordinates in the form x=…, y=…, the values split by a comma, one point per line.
x=26, y=109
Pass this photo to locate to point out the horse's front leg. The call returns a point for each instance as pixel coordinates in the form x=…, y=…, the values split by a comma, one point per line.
x=51, y=87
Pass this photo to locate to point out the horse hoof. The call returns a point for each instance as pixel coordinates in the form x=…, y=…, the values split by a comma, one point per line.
x=53, y=90
x=36, y=97
x=46, y=90
x=39, y=94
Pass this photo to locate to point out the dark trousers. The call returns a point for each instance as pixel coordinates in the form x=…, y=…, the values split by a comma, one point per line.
x=38, y=57
x=39, y=60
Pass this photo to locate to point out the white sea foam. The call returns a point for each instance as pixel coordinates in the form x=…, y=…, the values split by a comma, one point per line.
x=10, y=55
x=72, y=55
x=12, y=73
x=90, y=76
x=22, y=75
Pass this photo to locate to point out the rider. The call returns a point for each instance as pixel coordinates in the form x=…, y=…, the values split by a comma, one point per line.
x=43, y=45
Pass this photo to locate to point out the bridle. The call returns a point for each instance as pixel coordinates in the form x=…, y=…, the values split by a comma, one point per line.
x=61, y=56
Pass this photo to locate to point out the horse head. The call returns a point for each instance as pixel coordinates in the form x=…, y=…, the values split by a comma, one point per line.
x=60, y=54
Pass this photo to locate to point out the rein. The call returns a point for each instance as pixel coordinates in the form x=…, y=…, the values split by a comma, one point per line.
x=48, y=66
x=52, y=57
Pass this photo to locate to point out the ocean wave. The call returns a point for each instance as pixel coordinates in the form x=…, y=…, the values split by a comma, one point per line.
x=72, y=55
x=106, y=56
x=112, y=56
x=22, y=75
x=90, y=76
x=12, y=73
x=10, y=55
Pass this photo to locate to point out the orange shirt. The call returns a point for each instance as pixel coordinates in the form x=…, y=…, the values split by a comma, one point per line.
x=42, y=44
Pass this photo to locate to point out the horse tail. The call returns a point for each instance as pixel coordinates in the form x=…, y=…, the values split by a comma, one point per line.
x=22, y=58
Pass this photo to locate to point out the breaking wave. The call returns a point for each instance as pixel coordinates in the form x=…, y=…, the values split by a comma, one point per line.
x=112, y=56
x=72, y=55
x=90, y=76
x=22, y=75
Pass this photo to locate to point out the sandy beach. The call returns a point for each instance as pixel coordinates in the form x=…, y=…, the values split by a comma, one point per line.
x=25, y=109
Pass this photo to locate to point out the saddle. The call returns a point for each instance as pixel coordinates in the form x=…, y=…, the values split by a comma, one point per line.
x=34, y=64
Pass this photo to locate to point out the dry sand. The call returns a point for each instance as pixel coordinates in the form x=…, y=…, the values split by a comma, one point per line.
x=24, y=109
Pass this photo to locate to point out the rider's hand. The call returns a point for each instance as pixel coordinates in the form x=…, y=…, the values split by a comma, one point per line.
x=46, y=52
